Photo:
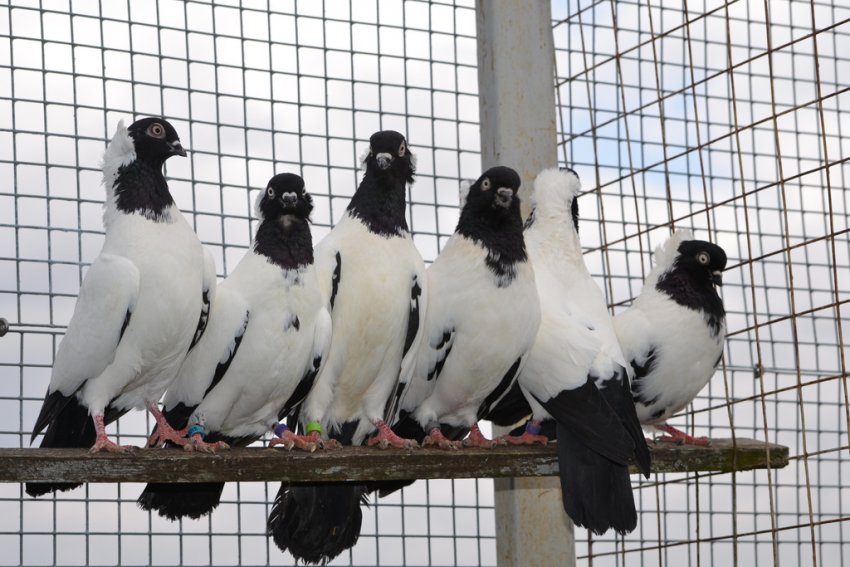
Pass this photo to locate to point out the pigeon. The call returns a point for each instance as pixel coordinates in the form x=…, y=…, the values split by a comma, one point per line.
x=269, y=331
x=483, y=315
x=576, y=372
x=374, y=282
x=143, y=302
x=673, y=333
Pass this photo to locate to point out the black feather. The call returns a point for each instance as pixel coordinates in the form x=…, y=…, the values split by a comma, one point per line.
x=594, y=449
x=335, y=278
x=222, y=367
x=597, y=492
x=617, y=392
x=511, y=409
x=507, y=381
x=203, y=319
x=317, y=523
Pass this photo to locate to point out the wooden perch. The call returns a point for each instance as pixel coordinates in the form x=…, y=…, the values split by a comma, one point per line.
x=353, y=463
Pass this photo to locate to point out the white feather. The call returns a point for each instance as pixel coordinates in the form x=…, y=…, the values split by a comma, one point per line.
x=370, y=319
x=491, y=327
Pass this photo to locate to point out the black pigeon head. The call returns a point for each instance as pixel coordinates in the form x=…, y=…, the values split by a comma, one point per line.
x=283, y=236
x=389, y=155
x=285, y=195
x=155, y=141
x=491, y=216
x=690, y=283
x=702, y=261
x=494, y=194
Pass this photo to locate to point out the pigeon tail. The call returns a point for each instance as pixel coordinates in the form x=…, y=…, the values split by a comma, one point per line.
x=597, y=492
x=69, y=426
x=317, y=523
x=175, y=501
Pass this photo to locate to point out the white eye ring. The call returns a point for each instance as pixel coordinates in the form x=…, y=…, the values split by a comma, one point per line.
x=401, y=150
x=703, y=258
x=485, y=185
x=270, y=192
x=156, y=130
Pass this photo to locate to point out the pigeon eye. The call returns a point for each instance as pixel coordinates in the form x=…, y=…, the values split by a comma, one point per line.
x=485, y=185
x=156, y=130
x=401, y=150
x=270, y=192
x=703, y=258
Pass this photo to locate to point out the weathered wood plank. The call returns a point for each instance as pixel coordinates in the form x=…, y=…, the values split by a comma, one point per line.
x=352, y=463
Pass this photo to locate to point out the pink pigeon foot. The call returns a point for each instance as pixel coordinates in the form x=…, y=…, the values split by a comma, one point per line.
x=196, y=443
x=103, y=443
x=289, y=440
x=477, y=439
x=162, y=431
x=436, y=437
x=530, y=436
x=387, y=438
x=680, y=437
x=316, y=438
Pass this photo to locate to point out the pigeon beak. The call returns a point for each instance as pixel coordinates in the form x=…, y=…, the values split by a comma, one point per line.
x=177, y=148
x=717, y=277
x=504, y=196
x=289, y=199
x=384, y=160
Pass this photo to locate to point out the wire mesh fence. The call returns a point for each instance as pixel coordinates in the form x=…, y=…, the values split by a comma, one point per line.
x=723, y=117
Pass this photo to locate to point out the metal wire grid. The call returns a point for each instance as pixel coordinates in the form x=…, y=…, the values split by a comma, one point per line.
x=254, y=88
x=727, y=118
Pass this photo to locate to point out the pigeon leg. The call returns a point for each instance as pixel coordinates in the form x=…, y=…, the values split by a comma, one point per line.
x=195, y=441
x=477, y=439
x=680, y=437
x=162, y=431
x=530, y=436
x=316, y=437
x=102, y=442
x=386, y=438
x=436, y=437
x=283, y=436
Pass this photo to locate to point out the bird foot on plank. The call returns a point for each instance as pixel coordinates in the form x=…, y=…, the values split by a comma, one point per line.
x=197, y=443
x=387, y=438
x=316, y=437
x=525, y=439
x=106, y=445
x=159, y=436
x=680, y=437
x=477, y=439
x=289, y=440
x=436, y=438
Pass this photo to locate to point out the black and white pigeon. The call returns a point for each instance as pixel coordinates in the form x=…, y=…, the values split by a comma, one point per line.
x=268, y=333
x=374, y=282
x=576, y=372
x=483, y=315
x=142, y=304
x=673, y=333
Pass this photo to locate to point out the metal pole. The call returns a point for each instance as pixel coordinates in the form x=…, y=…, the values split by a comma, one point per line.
x=517, y=107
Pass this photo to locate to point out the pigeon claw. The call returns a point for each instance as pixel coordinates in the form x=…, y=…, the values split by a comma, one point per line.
x=197, y=443
x=436, y=437
x=477, y=439
x=525, y=439
x=387, y=438
x=289, y=440
x=105, y=445
x=680, y=437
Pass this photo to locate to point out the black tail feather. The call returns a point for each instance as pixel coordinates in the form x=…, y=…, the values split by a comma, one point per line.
x=618, y=394
x=317, y=523
x=175, y=501
x=597, y=492
x=69, y=426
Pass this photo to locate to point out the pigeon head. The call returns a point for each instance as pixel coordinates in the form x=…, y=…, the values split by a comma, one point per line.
x=155, y=140
x=702, y=260
x=495, y=192
x=389, y=155
x=285, y=195
x=556, y=192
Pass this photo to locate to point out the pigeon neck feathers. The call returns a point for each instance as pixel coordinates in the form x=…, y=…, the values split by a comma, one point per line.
x=285, y=242
x=380, y=203
x=687, y=285
x=501, y=235
x=134, y=185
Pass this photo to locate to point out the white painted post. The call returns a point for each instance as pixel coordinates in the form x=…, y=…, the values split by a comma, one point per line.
x=517, y=107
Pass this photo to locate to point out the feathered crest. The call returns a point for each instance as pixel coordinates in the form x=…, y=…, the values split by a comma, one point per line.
x=119, y=152
x=666, y=253
x=555, y=189
x=463, y=191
